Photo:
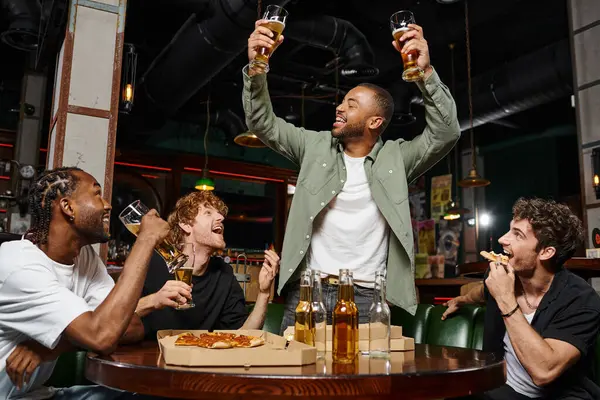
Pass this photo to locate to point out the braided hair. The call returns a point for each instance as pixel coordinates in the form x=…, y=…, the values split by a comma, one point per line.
x=49, y=186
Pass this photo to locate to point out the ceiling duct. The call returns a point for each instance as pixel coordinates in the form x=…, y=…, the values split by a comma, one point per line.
x=24, y=22
x=529, y=81
x=356, y=57
x=226, y=120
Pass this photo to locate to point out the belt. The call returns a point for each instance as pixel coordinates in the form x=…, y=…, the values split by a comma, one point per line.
x=335, y=280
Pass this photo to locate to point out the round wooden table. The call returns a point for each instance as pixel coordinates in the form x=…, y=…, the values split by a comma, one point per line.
x=428, y=372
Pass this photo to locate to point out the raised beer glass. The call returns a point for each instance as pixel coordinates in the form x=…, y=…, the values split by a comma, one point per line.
x=131, y=217
x=276, y=17
x=399, y=22
x=184, y=273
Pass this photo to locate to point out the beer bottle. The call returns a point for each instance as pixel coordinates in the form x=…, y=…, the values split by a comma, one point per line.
x=345, y=322
x=379, y=320
x=304, y=327
x=319, y=315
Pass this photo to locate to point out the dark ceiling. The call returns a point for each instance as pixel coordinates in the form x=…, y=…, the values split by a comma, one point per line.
x=501, y=31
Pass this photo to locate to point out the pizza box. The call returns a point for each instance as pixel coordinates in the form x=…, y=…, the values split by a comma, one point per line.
x=273, y=352
x=397, y=341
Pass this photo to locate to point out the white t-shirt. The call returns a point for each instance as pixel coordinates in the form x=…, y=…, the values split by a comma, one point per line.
x=350, y=232
x=39, y=298
x=517, y=376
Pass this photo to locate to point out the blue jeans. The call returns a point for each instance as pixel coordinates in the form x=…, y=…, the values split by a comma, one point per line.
x=363, y=297
x=93, y=392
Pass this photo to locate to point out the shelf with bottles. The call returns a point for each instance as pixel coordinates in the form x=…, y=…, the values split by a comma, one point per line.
x=232, y=255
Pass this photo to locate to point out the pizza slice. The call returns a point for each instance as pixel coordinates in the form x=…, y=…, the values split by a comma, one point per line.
x=186, y=339
x=248, y=341
x=494, y=257
x=215, y=340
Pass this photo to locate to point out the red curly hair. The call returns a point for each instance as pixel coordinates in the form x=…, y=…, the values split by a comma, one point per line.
x=187, y=209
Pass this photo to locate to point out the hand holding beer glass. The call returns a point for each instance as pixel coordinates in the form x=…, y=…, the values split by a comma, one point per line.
x=400, y=23
x=184, y=273
x=132, y=216
x=260, y=48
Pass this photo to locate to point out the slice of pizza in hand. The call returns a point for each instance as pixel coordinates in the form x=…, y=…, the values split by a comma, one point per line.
x=494, y=257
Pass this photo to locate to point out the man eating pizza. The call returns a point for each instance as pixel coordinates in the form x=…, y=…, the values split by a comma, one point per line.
x=219, y=299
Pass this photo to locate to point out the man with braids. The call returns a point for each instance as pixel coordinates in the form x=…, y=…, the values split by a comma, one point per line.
x=55, y=292
x=220, y=303
x=543, y=319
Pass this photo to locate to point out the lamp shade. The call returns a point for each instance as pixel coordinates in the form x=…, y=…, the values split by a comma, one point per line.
x=205, y=183
x=473, y=180
x=248, y=139
x=455, y=211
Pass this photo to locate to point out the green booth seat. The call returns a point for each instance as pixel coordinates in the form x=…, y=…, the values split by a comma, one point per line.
x=477, y=341
x=69, y=370
x=414, y=326
x=456, y=331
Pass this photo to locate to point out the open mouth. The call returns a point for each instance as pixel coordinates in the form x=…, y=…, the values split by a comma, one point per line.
x=218, y=229
x=339, y=121
x=507, y=253
x=106, y=219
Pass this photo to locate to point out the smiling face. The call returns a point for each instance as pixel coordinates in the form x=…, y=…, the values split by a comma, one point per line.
x=521, y=246
x=206, y=229
x=366, y=111
x=352, y=115
x=91, y=212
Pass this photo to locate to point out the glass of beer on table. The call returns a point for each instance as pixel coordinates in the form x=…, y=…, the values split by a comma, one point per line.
x=184, y=273
x=399, y=22
x=131, y=217
x=275, y=17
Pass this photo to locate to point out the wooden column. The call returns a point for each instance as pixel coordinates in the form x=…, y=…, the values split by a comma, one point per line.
x=584, y=24
x=85, y=103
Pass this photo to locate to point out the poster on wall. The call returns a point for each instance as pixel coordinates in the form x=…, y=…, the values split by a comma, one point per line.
x=441, y=193
x=427, y=237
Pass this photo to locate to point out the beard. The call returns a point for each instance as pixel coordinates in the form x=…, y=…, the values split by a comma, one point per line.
x=349, y=131
x=211, y=240
x=92, y=229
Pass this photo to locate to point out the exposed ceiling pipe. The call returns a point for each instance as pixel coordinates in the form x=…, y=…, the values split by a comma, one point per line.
x=356, y=58
x=24, y=17
x=529, y=81
x=199, y=50
x=226, y=120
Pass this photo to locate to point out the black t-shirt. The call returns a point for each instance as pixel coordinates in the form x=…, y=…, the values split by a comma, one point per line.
x=570, y=312
x=219, y=299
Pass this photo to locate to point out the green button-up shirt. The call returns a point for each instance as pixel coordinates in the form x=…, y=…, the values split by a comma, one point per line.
x=389, y=167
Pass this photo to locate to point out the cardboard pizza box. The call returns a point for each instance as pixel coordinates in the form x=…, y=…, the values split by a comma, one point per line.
x=397, y=341
x=273, y=353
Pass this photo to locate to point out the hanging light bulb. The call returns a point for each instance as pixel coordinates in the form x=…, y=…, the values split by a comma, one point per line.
x=473, y=179
x=454, y=211
x=128, y=75
x=206, y=183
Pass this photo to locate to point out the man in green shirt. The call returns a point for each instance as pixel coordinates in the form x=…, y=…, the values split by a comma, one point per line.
x=351, y=209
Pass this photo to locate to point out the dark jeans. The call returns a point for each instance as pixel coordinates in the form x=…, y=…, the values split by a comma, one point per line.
x=503, y=392
x=363, y=297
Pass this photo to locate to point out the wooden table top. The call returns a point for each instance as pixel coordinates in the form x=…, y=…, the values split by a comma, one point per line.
x=429, y=372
